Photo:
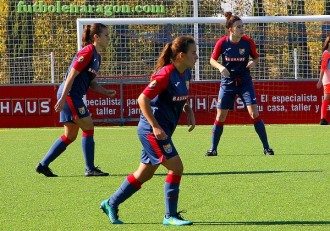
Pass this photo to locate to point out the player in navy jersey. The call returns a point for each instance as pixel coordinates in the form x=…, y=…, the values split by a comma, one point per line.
x=73, y=111
x=235, y=50
x=161, y=103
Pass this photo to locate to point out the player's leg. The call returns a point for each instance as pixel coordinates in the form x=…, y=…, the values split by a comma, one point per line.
x=130, y=185
x=325, y=104
x=58, y=147
x=88, y=146
x=80, y=115
x=225, y=102
x=171, y=191
x=151, y=157
x=248, y=95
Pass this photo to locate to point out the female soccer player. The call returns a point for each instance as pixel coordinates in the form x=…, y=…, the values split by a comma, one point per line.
x=161, y=103
x=73, y=112
x=325, y=80
x=236, y=49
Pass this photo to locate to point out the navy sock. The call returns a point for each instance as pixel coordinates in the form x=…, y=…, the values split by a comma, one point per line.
x=217, y=130
x=55, y=150
x=130, y=186
x=261, y=131
x=171, y=193
x=88, y=147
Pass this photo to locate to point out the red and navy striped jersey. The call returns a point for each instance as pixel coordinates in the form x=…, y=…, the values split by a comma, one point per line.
x=235, y=56
x=168, y=91
x=87, y=61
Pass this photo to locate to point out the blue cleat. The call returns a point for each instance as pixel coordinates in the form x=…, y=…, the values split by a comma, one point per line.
x=111, y=212
x=176, y=220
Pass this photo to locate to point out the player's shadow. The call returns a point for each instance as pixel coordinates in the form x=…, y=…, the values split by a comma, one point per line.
x=230, y=173
x=304, y=223
x=245, y=172
x=306, y=154
x=245, y=223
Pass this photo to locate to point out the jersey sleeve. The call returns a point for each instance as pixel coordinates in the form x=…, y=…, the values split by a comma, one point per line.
x=83, y=58
x=324, y=61
x=157, y=84
x=217, y=49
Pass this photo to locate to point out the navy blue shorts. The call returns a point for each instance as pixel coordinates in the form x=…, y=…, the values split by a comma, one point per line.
x=227, y=95
x=156, y=151
x=74, y=108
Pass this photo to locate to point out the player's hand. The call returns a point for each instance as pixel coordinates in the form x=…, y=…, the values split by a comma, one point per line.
x=111, y=93
x=190, y=119
x=59, y=105
x=159, y=133
x=251, y=64
x=319, y=84
x=224, y=72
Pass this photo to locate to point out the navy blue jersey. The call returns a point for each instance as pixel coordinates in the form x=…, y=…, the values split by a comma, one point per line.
x=168, y=92
x=87, y=61
x=235, y=57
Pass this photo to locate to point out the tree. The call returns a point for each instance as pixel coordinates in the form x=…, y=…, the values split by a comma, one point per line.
x=297, y=35
x=19, y=44
x=260, y=38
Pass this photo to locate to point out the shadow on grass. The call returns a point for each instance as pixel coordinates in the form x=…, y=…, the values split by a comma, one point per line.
x=245, y=223
x=307, y=154
x=248, y=172
x=263, y=223
x=243, y=172
x=202, y=173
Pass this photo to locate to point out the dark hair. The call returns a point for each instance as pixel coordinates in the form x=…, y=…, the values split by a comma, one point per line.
x=231, y=19
x=326, y=43
x=90, y=31
x=171, y=50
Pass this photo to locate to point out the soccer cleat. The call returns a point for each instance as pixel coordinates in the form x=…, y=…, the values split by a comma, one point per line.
x=268, y=151
x=111, y=212
x=324, y=122
x=45, y=170
x=211, y=153
x=95, y=172
x=176, y=220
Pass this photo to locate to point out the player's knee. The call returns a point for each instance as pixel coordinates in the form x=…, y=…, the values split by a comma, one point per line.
x=88, y=133
x=254, y=115
x=178, y=170
x=68, y=139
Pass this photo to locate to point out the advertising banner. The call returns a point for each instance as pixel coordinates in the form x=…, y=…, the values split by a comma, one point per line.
x=279, y=102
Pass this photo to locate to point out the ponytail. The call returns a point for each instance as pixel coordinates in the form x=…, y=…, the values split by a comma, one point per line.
x=86, y=38
x=171, y=50
x=90, y=31
x=164, y=58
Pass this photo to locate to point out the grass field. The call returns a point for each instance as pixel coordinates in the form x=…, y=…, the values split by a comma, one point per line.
x=239, y=190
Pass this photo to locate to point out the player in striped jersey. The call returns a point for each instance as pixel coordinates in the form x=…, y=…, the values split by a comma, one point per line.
x=161, y=103
x=73, y=111
x=236, y=49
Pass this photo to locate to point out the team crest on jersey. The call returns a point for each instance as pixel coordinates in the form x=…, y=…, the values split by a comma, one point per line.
x=153, y=84
x=81, y=59
x=187, y=84
x=241, y=51
x=81, y=110
x=167, y=148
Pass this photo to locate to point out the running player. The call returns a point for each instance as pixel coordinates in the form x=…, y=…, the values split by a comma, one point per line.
x=73, y=112
x=325, y=80
x=161, y=103
x=236, y=49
